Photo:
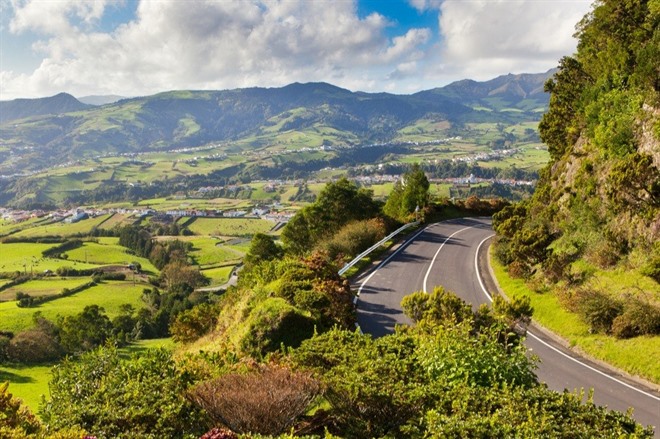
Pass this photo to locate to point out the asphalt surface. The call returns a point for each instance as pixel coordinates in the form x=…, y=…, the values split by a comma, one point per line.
x=453, y=254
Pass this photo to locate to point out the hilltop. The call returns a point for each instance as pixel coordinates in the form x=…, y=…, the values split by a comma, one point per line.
x=30, y=108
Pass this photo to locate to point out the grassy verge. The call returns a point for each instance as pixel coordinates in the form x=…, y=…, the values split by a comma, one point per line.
x=637, y=356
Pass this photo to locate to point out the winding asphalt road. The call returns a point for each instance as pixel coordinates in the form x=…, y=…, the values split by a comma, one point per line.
x=453, y=254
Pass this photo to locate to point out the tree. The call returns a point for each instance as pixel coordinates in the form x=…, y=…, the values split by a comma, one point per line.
x=262, y=248
x=84, y=331
x=415, y=190
x=409, y=195
x=338, y=204
x=560, y=126
x=178, y=276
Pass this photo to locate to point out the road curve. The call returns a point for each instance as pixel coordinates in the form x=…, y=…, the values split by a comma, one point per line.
x=448, y=254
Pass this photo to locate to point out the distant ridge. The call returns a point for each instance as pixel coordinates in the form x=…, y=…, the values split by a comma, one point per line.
x=499, y=93
x=24, y=108
x=101, y=99
x=67, y=129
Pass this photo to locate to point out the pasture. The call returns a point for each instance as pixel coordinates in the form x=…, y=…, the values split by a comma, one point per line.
x=109, y=295
x=8, y=227
x=42, y=287
x=209, y=251
x=27, y=258
x=229, y=226
x=118, y=220
x=219, y=275
x=107, y=253
x=62, y=228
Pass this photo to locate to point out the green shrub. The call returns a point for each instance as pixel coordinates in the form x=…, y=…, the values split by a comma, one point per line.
x=273, y=323
x=354, y=238
x=111, y=397
x=638, y=318
x=652, y=269
x=598, y=310
x=191, y=324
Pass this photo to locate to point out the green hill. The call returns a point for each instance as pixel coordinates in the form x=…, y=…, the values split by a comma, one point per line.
x=255, y=116
x=25, y=108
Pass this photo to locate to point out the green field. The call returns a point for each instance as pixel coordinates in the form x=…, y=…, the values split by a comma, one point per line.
x=27, y=258
x=62, y=228
x=209, y=251
x=229, y=226
x=118, y=220
x=109, y=295
x=7, y=227
x=28, y=383
x=107, y=252
x=219, y=275
x=42, y=287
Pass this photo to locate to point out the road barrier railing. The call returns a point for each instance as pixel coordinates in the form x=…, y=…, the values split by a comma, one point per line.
x=357, y=259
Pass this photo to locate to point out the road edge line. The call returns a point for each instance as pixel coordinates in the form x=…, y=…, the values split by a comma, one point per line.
x=483, y=288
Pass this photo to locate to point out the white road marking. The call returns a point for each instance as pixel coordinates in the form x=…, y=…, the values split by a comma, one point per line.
x=426, y=277
x=476, y=266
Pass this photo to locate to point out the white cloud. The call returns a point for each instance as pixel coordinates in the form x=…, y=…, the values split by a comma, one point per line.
x=50, y=17
x=423, y=5
x=484, y=38
x=213, y=44
x=206, y=45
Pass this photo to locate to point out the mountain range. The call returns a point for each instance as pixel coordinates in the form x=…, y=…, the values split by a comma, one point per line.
x=35, y=131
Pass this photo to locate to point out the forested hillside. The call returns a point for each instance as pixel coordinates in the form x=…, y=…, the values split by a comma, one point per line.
x=591, y=232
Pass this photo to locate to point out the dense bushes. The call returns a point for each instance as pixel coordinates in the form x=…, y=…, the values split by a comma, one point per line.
x=273, y=323
x=143, y=396
x=449, y=376
x=354, y=238
x=626, y=318
x=444, y=379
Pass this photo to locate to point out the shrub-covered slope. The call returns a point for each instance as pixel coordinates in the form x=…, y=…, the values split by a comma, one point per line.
x=596, y=210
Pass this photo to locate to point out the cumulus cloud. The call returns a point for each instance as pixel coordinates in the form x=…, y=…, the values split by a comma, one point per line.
x=54, y=16
x=205, y=45
x=482, y=38
x=212, y=44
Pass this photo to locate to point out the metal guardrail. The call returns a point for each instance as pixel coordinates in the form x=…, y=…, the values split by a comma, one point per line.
x=346, y=267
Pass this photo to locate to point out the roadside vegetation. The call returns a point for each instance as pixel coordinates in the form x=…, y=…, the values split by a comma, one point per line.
x=587, y=241
x=282, y=338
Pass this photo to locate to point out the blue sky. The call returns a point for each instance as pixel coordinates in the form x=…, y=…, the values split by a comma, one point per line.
x=139, y=47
